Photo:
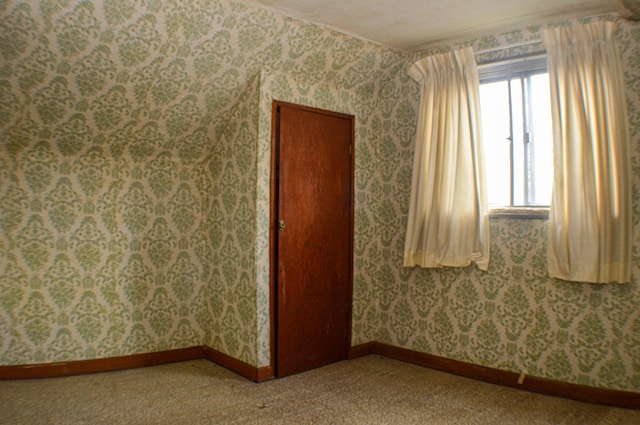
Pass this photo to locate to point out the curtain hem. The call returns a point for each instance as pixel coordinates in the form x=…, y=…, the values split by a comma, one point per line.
x=429, y=261
x=589, y=273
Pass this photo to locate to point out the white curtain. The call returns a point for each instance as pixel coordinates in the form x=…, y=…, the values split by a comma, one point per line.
x=590, y=216
x=448, y=218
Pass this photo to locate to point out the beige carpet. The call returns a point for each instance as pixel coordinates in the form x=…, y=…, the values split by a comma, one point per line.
x=369, y=390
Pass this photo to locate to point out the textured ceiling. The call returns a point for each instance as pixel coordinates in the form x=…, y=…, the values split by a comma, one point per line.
x=415, y=25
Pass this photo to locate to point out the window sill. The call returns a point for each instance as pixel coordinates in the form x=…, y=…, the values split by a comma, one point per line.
x=520, y=212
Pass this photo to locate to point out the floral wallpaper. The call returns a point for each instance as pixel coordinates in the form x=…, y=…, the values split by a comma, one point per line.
x=231, y=231
x=134, y=196
x=512, y=317
x=134, y=167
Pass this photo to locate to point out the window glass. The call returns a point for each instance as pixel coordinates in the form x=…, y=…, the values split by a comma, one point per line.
x=518, y=160
x=542, y=146
x=494, y=102
x=517, y=135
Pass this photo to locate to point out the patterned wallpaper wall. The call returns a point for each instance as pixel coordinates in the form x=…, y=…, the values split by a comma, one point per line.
x=134, y=196
x=513, y=317
x=231, y=233
x=134, y=170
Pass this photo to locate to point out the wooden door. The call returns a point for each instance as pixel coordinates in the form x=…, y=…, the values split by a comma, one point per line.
x=313, y=237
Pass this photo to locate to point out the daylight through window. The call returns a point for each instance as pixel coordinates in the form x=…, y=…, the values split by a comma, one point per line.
x=517, y=133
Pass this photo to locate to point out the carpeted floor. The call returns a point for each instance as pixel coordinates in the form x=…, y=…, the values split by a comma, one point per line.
x=369, y=390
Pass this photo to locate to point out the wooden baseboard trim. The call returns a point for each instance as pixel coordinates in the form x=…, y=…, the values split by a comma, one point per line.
x=361, y=350
x=81, y=367
x=265, y=374
x=238, y=366
x=625, y=399
x=617, y=398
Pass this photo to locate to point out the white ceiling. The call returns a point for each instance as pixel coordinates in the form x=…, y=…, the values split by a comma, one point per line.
x=414, y=25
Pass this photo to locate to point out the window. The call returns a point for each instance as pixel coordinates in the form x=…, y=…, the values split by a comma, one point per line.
x=517, y=133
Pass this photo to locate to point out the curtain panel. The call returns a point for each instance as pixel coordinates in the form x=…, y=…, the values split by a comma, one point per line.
x=590, y=216
x=448, y=222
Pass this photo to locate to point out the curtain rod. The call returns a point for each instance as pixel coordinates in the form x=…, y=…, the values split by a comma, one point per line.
x=510, y=46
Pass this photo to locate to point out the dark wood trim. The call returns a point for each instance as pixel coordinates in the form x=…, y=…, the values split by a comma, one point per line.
x=618, y=398
x=273, y=217
x=81, y=367
x=626, y=399
x=352, y=229
x=235, y=365
x=361, y=350
x=265, y=374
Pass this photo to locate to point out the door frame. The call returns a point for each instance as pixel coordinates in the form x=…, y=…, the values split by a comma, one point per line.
x=273, y=226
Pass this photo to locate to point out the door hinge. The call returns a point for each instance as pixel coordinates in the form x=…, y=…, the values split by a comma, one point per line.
x=349, y=149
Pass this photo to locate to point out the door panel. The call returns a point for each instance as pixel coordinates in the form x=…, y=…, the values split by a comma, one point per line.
x=314, y=249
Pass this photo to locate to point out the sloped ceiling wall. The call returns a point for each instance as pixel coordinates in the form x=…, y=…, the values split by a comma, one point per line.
x=111, y=114
x=180, y=64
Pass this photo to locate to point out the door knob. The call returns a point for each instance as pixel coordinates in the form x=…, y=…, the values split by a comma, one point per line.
x=281, y=225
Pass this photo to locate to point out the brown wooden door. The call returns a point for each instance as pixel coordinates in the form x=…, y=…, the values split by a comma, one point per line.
x=314, y=237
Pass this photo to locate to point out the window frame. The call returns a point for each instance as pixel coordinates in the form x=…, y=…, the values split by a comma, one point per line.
x=504, y=70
